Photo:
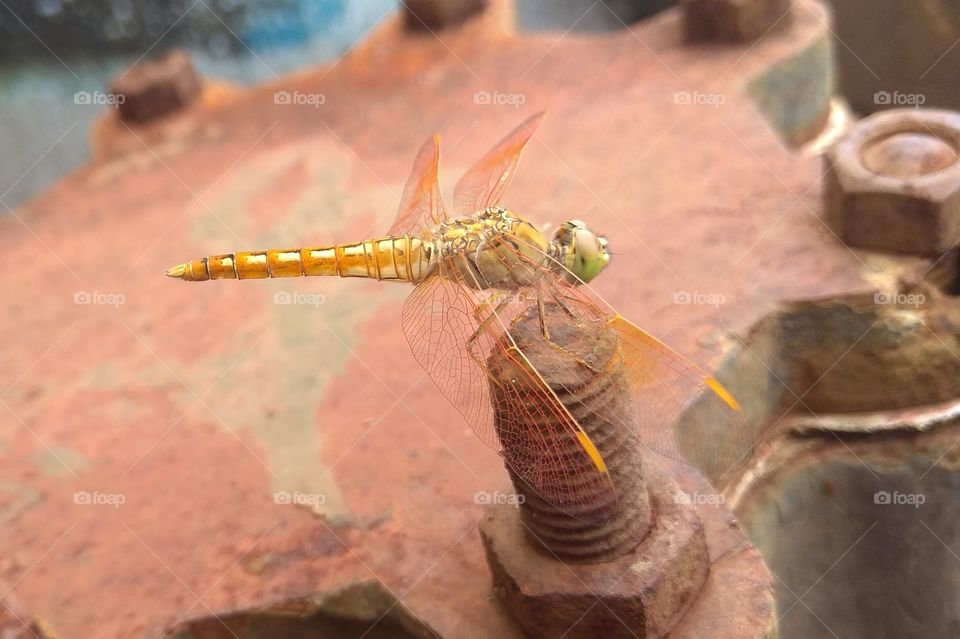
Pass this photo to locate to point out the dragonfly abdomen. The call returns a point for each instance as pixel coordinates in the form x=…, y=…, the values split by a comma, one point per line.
x=404, y=258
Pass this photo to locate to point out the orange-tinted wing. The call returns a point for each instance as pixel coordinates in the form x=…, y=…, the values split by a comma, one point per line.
x=456, y=343
x=680, y=410
x=683, y=412
x=421, y=206
x=484, y=184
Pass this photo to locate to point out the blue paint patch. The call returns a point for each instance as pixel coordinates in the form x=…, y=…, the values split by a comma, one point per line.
x=289, y=23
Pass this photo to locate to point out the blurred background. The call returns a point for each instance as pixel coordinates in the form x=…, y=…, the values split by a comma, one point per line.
x=53, y=53
x=767, y=219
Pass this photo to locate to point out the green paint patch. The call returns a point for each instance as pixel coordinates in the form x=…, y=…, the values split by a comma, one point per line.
x=270, y=383
x=56, y=462
x=18, y=498
x=794, y=95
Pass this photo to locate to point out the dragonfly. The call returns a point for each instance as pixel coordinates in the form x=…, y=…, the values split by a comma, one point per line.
x=478, y=271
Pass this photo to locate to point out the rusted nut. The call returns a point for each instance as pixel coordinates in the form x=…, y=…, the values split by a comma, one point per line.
x=421, y=15
x=642, y=594
x=157, y=87
x=893, y=182
x=733, y=20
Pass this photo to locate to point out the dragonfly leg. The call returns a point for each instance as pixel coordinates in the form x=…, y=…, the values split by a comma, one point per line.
x=483, y=322
x=556, y=298
x=561, y=303
x=542, y=312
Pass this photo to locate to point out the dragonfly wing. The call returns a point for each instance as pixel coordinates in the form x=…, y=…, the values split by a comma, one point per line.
x=681, y=411
x=484, y=183
x=421, y=205
x=455, y=334
x=438, y=322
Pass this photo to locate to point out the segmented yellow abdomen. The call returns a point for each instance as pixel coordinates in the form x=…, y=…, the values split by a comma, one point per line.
x=404, y=258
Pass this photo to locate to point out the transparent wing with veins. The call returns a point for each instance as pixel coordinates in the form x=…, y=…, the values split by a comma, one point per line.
x=486, y=181
x=453, y=328
x=680, y=410
x=421, y=205
x=455, y=332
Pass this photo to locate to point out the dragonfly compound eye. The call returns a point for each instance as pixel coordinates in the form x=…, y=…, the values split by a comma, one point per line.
x=586, y=254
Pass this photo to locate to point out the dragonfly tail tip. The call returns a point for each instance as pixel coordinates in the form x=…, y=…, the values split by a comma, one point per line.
x=177, y=271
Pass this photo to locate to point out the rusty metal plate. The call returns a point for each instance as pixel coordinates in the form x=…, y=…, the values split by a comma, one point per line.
x=161, y=460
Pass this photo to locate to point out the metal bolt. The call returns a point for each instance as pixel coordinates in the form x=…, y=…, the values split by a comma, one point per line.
x=647, y=568
x=157, y=87
x=893, y=182
x=434, y=15
x=733, y=20
x=604, y=523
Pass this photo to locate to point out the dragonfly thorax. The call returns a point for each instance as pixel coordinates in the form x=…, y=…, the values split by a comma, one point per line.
x=498, y=248
x=495, y=248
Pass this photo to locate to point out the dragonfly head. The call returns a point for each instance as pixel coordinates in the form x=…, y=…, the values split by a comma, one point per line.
x=581, y=250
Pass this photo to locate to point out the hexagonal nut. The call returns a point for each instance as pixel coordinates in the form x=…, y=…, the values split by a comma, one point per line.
x=433, y=15
x=893, y=182
x=157, y=87
x=733, y=20
x=642, y=594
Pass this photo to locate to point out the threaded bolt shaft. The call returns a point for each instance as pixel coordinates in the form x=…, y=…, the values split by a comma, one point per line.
x=581, y=363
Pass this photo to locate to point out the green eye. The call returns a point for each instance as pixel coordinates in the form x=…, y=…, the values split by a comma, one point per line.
x=589, y=255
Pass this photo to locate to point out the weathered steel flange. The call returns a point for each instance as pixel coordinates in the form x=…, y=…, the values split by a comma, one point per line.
x=852, y=497
x=107, y=361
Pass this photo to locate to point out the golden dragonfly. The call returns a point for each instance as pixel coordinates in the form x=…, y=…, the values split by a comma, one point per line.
x=476, y=273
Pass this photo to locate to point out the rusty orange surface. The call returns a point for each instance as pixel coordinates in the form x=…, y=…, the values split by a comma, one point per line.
x=120, y=384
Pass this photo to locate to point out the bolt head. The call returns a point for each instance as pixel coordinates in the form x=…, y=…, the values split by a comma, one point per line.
x=641, y=594
x=893, y=182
